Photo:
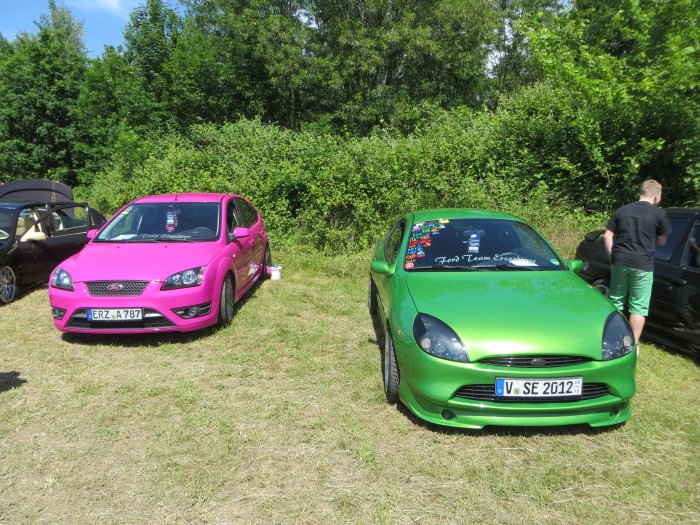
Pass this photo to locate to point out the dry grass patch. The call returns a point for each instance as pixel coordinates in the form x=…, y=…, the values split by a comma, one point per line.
x=280, y=418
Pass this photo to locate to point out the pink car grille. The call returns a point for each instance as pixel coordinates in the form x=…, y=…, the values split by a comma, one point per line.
x=116, y=288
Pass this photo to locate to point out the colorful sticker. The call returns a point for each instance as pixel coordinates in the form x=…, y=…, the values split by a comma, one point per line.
x=409, y=265
x=420, y=238
x=474, y=242
x=554, y=262
x=170, y=220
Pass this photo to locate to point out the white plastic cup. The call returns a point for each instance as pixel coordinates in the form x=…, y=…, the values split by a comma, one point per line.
x=276, y=272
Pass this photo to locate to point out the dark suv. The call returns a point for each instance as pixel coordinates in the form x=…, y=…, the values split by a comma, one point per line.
x=674, y=312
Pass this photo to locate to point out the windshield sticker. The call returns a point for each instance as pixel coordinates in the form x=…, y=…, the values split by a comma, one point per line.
x=170, y=220
x=420, y=239
x=554, y=262
x=409, y=265
x=497, y=259
x=444, y=221
x=474, y=241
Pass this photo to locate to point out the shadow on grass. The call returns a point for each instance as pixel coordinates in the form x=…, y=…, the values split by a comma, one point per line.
x=154, y=339
x=10, y=380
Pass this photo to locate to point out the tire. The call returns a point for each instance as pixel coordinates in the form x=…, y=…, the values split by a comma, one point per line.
x=390, y=370
x=226, y=302
x=8, y=284
x=602, y=286
x=267, y=261
x=372, y=298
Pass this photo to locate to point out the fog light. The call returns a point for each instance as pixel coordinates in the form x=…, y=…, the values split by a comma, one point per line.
x=614, y=412
x=190, y=312
x=58, y=313
x=447, y=414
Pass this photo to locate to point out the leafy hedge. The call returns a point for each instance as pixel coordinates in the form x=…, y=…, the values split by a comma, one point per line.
x=540, y=156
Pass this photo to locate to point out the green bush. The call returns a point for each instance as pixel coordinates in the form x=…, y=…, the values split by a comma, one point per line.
x=341, y=193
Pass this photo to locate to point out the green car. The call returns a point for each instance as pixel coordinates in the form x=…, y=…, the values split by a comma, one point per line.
x=485, y=324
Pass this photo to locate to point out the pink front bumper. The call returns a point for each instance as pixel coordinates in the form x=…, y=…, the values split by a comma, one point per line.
x=157, y=307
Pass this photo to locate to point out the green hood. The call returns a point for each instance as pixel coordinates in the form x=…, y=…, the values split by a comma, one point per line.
x=512, y=313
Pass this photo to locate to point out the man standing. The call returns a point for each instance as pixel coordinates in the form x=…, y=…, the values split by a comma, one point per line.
x=630, y=240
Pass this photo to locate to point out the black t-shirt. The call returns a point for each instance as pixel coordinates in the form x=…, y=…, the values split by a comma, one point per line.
x=636, y=226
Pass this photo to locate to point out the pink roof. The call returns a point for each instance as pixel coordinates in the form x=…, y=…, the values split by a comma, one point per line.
x=184, y=197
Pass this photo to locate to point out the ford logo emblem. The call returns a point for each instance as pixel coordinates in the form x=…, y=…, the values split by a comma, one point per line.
x=538, y=362
x=115, y=287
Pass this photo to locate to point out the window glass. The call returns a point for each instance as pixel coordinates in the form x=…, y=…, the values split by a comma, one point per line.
x=479, y=244
x=665, y=252
x=6, y=216
x=393, y=242
x=250, y=216
x=231, y=217
x=691, y=254
x=67, y=221
x=164, y=222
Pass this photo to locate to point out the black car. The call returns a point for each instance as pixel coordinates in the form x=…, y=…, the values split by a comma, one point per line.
x=674, y=312
x=40, y=225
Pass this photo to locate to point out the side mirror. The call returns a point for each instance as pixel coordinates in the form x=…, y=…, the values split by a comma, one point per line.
x=380, y=267
x=33, y=236
x=240, y=232
x=91, y=234
x=575, y=265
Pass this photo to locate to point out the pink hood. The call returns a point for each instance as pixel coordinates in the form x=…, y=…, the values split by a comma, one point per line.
x=137, y=261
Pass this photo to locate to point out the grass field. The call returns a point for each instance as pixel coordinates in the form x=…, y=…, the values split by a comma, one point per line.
x=281, y=418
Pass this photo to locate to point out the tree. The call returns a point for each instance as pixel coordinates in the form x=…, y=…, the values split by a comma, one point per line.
x=40, y=77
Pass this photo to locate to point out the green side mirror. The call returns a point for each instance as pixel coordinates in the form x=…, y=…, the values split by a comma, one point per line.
x=575, y=265
x=380, y=267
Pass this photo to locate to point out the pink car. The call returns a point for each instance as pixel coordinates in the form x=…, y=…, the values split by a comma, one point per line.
x=164, y=263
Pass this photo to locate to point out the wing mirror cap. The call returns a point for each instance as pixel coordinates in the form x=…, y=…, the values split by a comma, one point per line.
x=91, y=234
x=575, y=265
x=380, y=267
x=240, y=232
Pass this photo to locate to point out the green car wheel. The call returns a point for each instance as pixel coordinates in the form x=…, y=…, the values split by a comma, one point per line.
x=390, y=370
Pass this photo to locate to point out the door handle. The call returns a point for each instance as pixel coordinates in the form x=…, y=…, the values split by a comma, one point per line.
x=678, y=281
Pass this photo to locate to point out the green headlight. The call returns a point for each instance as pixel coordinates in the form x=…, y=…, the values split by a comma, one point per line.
x=436, y=338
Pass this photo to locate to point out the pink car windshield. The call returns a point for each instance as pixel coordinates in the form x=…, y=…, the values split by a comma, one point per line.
x=165, y=222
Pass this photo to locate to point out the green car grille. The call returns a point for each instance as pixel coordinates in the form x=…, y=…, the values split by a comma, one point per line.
x=545, y=361
x=488, y=393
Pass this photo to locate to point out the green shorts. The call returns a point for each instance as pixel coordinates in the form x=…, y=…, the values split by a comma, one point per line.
x=633, y=285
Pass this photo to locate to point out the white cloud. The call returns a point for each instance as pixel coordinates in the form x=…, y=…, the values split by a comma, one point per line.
x=121, y=8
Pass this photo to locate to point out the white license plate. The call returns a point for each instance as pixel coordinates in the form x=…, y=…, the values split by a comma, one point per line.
x=114, y=314
x=567, y=386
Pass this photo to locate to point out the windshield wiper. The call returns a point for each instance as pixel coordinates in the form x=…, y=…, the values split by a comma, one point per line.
x=507, y=267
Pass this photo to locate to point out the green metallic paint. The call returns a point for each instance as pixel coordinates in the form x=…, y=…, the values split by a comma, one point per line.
x=499, y=313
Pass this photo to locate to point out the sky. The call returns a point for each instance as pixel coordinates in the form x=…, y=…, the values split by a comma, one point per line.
x=103, y=20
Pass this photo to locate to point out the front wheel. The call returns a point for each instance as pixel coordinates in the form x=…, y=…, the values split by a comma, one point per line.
x=390, y=370
x=226, y=302
x=8, y=284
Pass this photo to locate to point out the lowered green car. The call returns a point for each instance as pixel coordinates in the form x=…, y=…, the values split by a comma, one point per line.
x=485, y=324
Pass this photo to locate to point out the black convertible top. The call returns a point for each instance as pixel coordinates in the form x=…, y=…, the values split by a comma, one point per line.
x=38, y=190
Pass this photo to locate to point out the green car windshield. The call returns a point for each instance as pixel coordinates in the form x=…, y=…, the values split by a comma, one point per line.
x=478, y=244
x=165, y=222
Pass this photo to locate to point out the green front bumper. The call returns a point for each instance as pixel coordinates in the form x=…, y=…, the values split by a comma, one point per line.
x=428, y=386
